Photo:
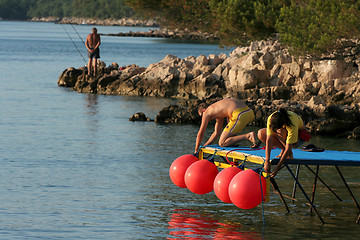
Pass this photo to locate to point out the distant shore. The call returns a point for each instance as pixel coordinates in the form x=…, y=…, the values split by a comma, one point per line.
x=157, y=33
x=165, y=33
x=103, y=22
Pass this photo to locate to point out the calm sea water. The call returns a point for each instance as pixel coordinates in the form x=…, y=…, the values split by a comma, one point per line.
x=74, y=167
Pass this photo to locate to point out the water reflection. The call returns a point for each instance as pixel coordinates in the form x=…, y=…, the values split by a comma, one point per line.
x=148, y=105
x=189, y=224
x=92, y=117
x=92, y=104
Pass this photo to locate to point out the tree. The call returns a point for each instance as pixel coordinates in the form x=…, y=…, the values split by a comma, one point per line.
x=23, y=9
x=319, y=26
x=306, y=26
x=235, y=21
x=241, y=20
x=15, y=9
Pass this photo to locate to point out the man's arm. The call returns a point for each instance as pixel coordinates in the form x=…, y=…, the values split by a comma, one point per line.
x=269, y=143
x=204, y=122
x=282, y=159
x=217, y=131
x=98, y=42
x=87, y=43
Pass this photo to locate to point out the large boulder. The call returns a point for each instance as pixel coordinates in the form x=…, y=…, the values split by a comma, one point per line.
x=69, y=77
x=331, y=69
x=240, y=78
x=174, y=114
x=139, y=117
x=86, y=84
x=330, y=127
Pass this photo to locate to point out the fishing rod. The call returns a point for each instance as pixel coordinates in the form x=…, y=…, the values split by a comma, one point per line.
x=78, y=34
x=75, y=44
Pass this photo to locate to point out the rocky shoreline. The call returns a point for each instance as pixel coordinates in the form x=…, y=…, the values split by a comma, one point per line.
x=164, y=33
x=326, y=93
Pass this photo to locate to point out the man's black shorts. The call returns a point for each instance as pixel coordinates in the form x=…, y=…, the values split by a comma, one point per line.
x=95, y=54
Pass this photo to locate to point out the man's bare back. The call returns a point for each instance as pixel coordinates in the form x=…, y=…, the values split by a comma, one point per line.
x=92, y=40
x=224, y=108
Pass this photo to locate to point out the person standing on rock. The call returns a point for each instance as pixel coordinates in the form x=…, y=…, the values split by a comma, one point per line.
x=92, y=44
x=285, y=130
x=238, y=114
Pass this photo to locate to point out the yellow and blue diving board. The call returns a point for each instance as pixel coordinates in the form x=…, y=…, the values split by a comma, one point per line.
x=328, y=157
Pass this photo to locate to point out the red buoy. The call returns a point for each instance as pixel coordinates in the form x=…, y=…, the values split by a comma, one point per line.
x=178, y=168
x=199, y=177
x=245, y=190
x=222, y=182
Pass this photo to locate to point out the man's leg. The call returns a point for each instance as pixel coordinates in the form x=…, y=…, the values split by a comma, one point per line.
x=278, y=140
x=95, y=66
x=281, y=136
x=240, y=118
x=229, y=139
x=89, y=66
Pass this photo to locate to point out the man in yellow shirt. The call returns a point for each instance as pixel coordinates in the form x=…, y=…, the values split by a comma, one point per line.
x=282, y=131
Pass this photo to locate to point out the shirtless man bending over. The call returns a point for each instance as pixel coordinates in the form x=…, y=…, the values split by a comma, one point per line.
x=92, y=44
x=239, y=116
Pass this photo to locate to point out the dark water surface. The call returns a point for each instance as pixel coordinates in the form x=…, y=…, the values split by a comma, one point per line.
x=73, y=166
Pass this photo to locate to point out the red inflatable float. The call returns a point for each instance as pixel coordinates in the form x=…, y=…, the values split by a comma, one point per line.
x=222, y=182
x=245, y=190
x=179, y=167
x=200, y=176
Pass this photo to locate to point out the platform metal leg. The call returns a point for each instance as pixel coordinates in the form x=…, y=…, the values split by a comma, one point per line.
x=324, y=184
x=294, y=188
x=303, y=191
x=276, y=187
x=348, y=188
x=314, y=188
x=351, y=194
